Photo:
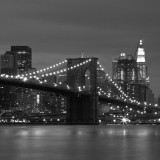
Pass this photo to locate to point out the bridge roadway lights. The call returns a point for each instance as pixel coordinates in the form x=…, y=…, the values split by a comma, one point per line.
x=82, y=109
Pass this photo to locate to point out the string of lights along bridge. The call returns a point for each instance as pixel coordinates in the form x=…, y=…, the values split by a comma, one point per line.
x=54, y=70
x=88, y=90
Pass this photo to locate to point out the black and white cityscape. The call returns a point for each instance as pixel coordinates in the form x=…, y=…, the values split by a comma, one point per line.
x=48, y=95
x=79, y=79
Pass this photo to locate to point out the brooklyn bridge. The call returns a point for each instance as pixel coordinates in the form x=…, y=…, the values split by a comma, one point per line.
x=83, y=93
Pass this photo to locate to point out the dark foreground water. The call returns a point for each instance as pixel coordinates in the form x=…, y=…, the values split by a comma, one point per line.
x=79, y=142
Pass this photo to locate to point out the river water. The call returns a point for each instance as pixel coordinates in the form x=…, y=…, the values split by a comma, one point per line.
x=76, y=142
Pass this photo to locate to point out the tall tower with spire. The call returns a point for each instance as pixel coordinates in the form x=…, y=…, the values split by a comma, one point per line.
x=130, y=73
x=141, y=63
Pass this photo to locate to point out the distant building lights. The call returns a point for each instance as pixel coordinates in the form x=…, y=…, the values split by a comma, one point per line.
x=25, y=79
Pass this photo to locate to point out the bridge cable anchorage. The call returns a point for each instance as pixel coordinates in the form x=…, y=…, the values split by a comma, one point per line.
x=116, y=85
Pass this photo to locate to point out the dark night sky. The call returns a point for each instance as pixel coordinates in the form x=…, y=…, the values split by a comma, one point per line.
x=60, y=29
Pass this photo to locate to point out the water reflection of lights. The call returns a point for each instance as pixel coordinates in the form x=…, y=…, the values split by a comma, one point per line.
x=124, y=132
x=80, y=133
x=38, y=132
x=23, y=133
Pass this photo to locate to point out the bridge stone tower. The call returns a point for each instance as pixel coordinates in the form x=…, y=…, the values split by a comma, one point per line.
x=82, y=109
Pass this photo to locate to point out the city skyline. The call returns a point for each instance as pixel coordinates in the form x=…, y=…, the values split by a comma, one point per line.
x=59, y=30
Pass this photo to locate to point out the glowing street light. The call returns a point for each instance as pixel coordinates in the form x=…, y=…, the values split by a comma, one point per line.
x=124, y=120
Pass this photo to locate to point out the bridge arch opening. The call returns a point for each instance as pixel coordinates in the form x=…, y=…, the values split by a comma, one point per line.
x=87, y=79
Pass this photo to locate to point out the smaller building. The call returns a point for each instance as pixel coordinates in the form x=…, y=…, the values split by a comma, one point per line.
x=101, y=76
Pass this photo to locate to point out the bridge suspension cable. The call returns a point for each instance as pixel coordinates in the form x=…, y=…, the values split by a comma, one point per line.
x=33, y=75
x=45, y=69
x=124, y=96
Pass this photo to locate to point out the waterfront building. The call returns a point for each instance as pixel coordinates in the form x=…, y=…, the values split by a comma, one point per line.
x=7, y=93
x=14, y=62
x=7, y=97
x=23, y=61
x=51, y=103
x=130, y=73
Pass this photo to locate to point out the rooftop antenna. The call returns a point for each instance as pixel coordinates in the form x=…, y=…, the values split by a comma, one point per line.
x=82, y=54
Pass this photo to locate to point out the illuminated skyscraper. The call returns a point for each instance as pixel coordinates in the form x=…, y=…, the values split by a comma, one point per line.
x=141, y=63
x=114, y=69
x=24, y=58
x=13, y=62
x=24, y=63
x=7, y=93
x=125, y=73
x=130, y=72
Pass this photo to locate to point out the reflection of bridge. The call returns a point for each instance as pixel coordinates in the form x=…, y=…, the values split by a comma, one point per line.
x=80, y=86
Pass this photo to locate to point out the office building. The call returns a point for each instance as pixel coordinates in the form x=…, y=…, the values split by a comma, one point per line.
x=24, y=58
x=130, y=73
x=141, y=63
x=8, y=65
x=101, y=76
x=7, y=93
x=14, y=62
